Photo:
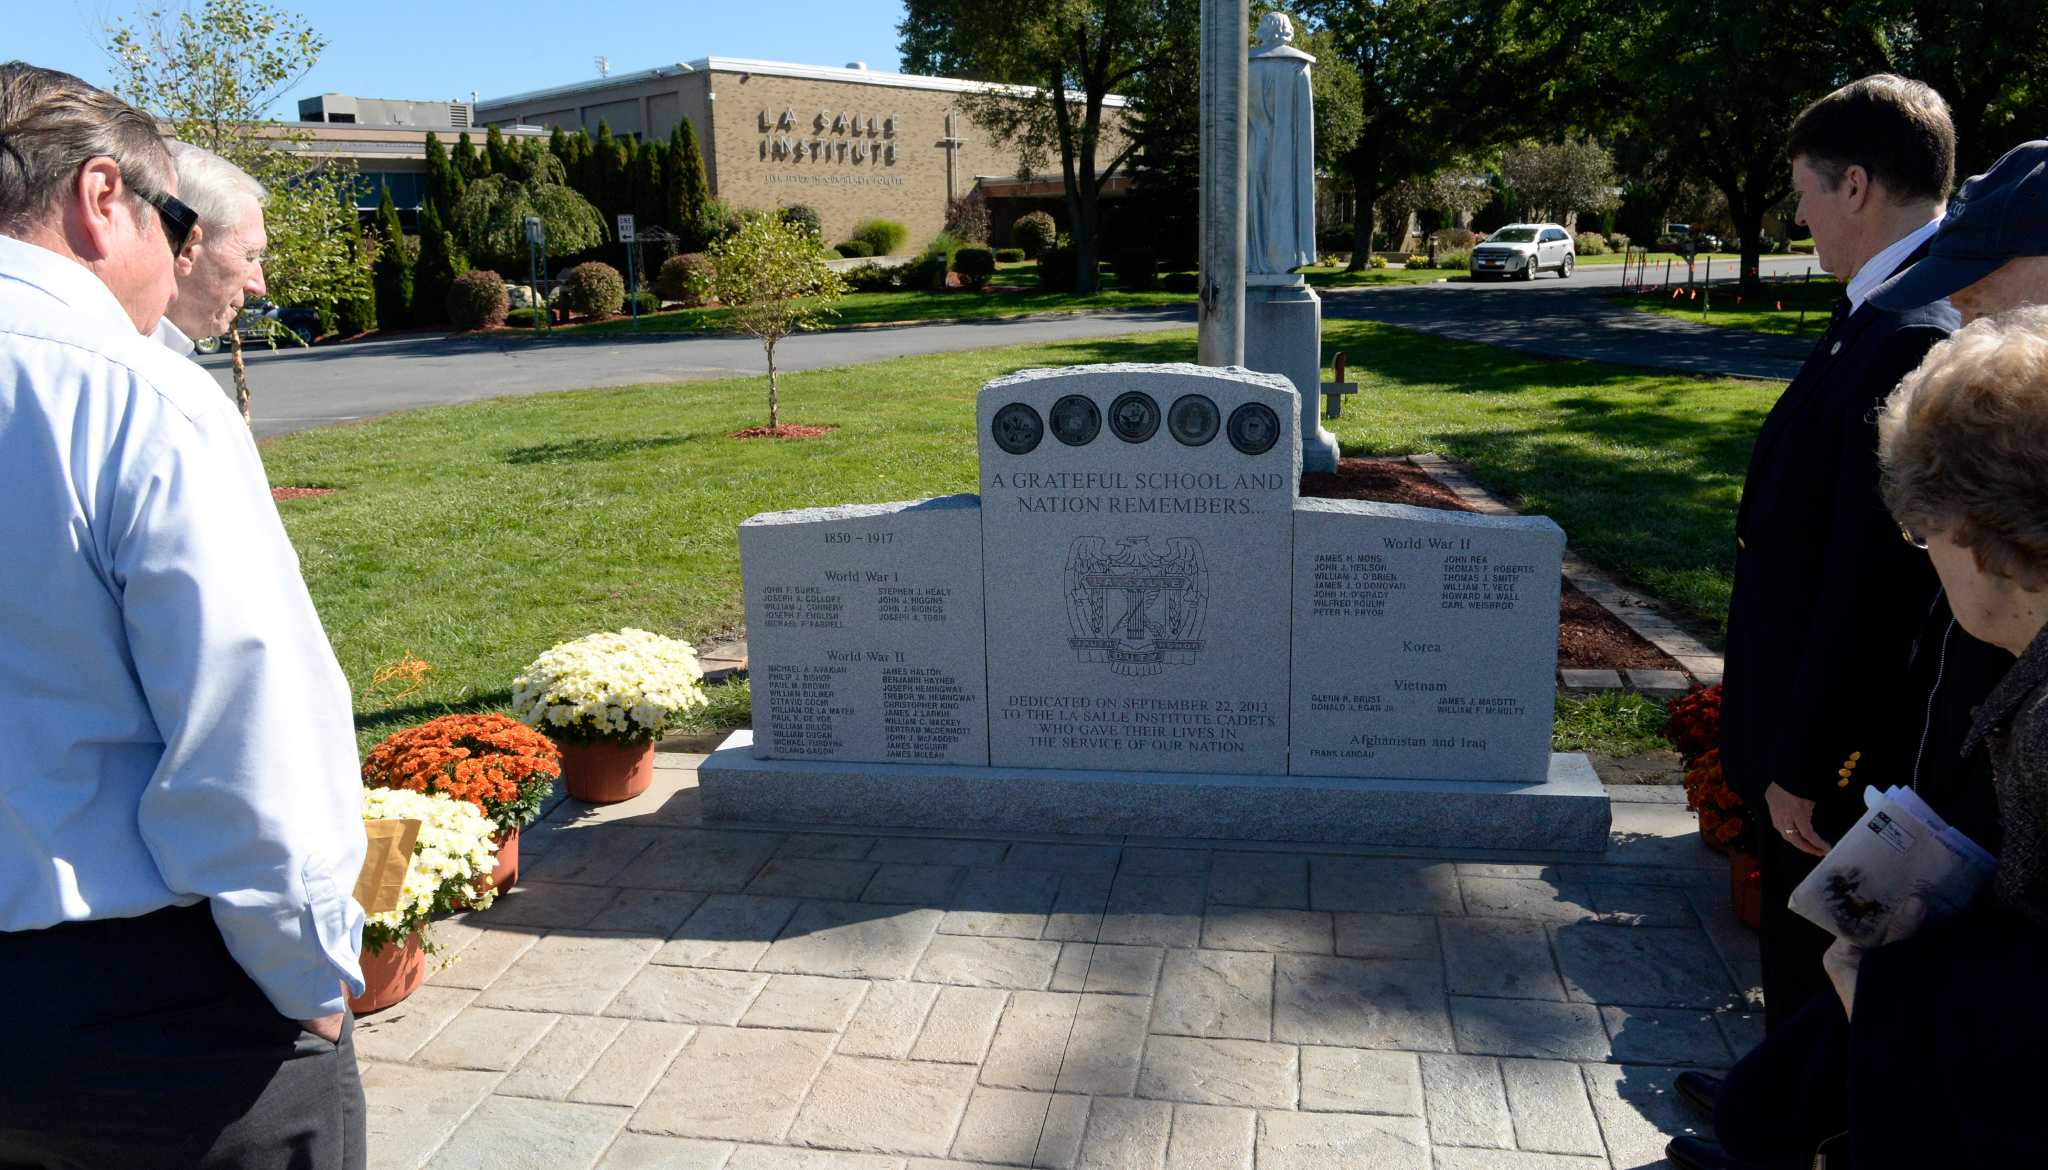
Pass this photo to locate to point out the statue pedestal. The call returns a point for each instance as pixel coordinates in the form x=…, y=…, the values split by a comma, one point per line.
x=1283, y=334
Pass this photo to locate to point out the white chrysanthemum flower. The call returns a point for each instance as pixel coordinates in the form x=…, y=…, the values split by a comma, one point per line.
x=624, y=684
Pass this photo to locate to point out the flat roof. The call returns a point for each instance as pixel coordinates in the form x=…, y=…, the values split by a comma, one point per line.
x=770, y=69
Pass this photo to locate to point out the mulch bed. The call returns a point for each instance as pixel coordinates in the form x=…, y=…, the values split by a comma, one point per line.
x=281, y=494
x=785, y=431
x=1588, y=637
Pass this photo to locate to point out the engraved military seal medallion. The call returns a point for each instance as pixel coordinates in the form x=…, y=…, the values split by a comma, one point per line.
x=1140, y=607
x=1193, y=419
x=1076, y=420
x=1254, y=428
x=1134, y=416
x=1017, y=428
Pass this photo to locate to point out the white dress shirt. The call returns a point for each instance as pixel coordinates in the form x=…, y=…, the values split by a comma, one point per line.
x=174, y=339
x=177, y=726
x=1881, y=267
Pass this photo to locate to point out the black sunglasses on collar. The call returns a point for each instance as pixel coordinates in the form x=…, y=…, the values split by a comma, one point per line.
x=178, y=219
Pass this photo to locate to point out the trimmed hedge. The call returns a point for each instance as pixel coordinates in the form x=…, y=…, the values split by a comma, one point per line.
x=1590, y=244
x=477, y=300
x=646, y=302
x=1010, y=256
x=974, y=264
x=870, y=278
x=884, y=236
x=522, y=318
x=594, y=289
x=681, y=278
x=805, y=216
x=1137, y=268
x=1034, y=232
x=854, y=249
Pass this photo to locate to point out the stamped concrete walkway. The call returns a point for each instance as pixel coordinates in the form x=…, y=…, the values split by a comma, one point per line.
x=658, y=994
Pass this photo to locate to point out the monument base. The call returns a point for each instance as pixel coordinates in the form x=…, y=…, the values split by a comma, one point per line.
x=1283, y=334
x=1568, y=811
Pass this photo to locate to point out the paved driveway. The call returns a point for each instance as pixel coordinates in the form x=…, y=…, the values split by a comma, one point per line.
x=662, y=993
x=297, y=389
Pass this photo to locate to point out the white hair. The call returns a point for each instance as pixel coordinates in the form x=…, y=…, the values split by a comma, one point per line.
x=218, y=190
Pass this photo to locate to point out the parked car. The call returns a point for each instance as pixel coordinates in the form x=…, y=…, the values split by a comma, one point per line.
x=1524, y=249
x=258, y=322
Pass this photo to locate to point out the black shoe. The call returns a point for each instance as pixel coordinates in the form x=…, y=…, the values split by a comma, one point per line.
x=1698, y=1153
x=1700, y=1092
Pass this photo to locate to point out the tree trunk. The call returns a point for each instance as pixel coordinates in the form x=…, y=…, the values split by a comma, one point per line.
x=774, y=420
x=1749, y=225
x=1361, y=178
x=1087, y=242
x=241, y=374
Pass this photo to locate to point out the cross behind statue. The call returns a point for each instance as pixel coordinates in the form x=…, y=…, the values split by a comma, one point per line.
x=1334, y=391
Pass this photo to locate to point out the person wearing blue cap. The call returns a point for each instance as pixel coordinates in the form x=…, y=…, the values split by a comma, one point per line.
x=1991, y=252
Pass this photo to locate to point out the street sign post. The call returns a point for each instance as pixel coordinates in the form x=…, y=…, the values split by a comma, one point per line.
x=536, y=247
x=632, y=283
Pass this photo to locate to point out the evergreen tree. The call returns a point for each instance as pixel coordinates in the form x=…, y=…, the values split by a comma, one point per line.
x=692, y=190
x=558, y=145
x=495, y=153
x=647, y=166
x=441, y=179
x=355, y=314
x=607, y=172
x=391, y=275
x=441, y=261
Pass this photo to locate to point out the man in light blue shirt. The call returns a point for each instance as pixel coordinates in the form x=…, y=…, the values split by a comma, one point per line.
x=180, y=812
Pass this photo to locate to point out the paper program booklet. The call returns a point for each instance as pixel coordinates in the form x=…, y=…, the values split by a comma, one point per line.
x=1899, y=848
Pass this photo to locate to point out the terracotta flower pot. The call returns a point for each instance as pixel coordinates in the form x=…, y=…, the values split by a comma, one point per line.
x=389, y=975
x=505, y=874
x=601, y=772
x=1746, y=887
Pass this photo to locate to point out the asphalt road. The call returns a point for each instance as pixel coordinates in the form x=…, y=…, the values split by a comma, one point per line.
x=298, y=389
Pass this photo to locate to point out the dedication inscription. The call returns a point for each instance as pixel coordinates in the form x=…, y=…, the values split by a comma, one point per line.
x=1425, y=642
x=1137, y=550
x=864, y=632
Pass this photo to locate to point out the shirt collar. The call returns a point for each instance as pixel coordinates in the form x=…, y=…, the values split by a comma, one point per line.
x=63, y=279
x=1885, y=264
x=173, y=338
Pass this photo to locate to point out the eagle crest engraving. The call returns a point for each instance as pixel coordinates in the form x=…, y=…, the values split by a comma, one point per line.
x=1140, y=607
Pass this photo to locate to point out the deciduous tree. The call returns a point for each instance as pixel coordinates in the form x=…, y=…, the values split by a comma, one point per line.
x=773, y=277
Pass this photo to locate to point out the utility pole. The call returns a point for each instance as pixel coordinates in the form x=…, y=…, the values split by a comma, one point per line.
x=1225, y=37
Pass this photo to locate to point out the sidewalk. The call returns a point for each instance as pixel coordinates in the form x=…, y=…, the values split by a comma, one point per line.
x=661, y=994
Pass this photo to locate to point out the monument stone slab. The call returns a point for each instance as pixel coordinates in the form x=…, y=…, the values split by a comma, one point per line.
x=1425, y=642
x=1136, y=530
x=864, y=630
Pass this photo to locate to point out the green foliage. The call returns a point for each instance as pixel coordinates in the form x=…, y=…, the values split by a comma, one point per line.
x=884, y=236
x=1034, y=232
x=477, y=300
x=593, y=289
x=1181, y=282
x=682, y=278
x=868, y=278
x=644, y=302
x=1552, y=179
x=1622, y=724
x=356, y=312
x=1057, y=267
x=440, y=263
x=1590, y=244
x=525, y=318
x=1457, y=259
x=774, y=280
x=391, y=273
x=444, y=186
x=212, y=71
x=689, y=190
x=974, y=264
x=1009, y=255
x=854, y=249
x=469, y=163
x=491, y=219
x=718, y=220
x=1137, y=268
x=802, y=215
x=967, y=218
x=1379, y=262
x=1418, y=260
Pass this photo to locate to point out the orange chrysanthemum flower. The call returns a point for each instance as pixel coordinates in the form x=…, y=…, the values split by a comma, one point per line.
x=495, y=762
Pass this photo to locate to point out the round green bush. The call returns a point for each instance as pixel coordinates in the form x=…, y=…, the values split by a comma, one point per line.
x=646, y=302
x=1590, y=244
x=871, y=278
x=477, y=300
x=805, y=216
x=854, y=249
x=523, y=318
x=1034, y=232
x=1181, y=282
x=594, y=289
x=1457, y=259
x=975, y=264
x=1377, y=262
x=682, y=277
x=1010, y=255
x=884, y=236
x=1137, y=268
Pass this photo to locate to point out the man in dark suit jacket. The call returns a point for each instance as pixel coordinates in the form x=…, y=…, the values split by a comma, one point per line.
x=1827, y=597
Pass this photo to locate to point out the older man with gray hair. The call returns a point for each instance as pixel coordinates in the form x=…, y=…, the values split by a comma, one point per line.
x=221, y=264
x=180, y=808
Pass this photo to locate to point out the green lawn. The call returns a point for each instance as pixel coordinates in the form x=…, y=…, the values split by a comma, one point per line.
x=475, y=536
x=883, y=308
x=1775, y=310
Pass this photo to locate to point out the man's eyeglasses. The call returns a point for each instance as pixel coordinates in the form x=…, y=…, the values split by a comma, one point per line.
x=178, y=219
x=1913, y=538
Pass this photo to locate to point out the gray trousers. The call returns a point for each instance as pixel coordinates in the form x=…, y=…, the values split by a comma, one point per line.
x=139, y=1044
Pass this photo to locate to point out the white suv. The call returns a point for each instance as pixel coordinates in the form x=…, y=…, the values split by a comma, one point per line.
x=1523, y=249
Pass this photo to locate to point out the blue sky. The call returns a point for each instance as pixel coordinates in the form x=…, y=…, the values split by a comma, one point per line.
x=441, y=49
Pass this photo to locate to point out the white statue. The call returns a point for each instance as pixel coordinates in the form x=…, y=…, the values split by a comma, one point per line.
x=1280, y=171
